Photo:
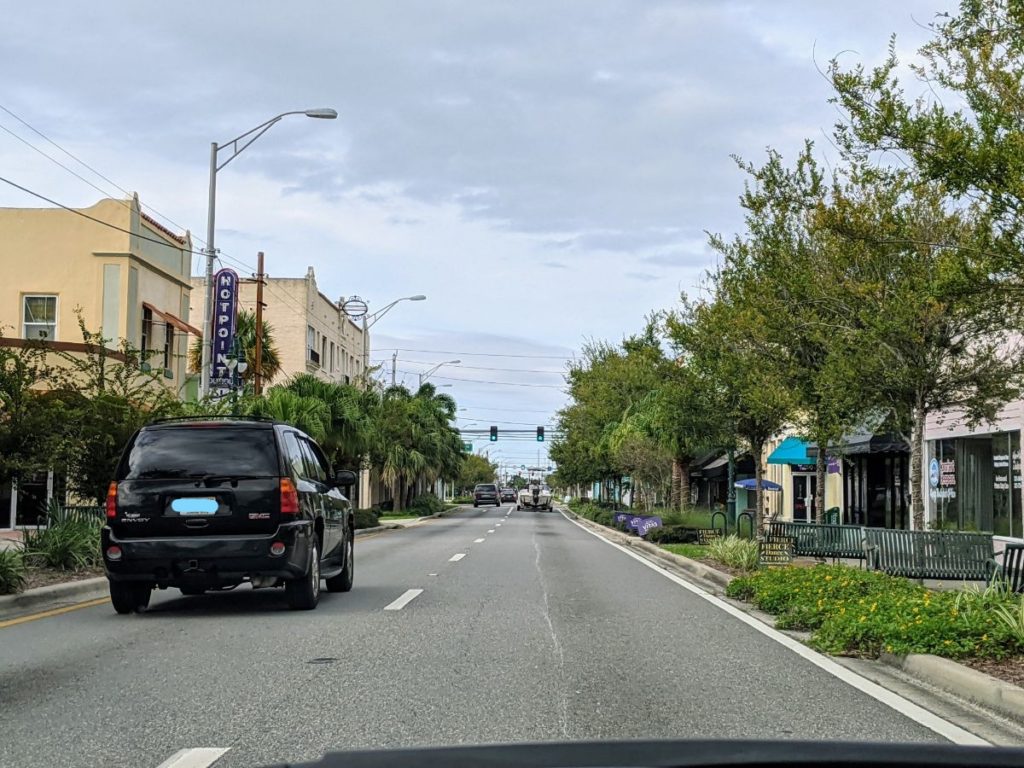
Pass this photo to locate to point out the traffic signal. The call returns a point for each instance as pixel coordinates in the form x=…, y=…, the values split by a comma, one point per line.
x=540, y=434
x=494, y=434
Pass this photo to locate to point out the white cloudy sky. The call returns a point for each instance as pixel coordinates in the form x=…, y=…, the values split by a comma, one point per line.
x=544, y=171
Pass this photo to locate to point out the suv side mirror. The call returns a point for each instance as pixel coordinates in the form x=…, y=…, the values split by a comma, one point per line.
x=344, y=478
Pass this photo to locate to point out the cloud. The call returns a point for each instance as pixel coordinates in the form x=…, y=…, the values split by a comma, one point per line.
x=644, y=277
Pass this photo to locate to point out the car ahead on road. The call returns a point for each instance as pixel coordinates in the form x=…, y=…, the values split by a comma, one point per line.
x=508, y=494
x=209, y=503
x=486, y=493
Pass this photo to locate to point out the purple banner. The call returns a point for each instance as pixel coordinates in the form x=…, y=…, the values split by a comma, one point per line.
x=225, y=303
x=644, y=524
x=833, y=465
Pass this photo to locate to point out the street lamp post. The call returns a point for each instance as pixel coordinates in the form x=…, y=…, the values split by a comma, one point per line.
x=237, y=145
x=427, y=374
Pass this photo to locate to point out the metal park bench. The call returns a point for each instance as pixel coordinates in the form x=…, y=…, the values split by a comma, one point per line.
x=812, y=540
x=1013, y=567
x=930, y=554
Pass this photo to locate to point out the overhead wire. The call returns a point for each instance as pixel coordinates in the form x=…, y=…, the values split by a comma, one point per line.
x=84, y=164
x=477, y=354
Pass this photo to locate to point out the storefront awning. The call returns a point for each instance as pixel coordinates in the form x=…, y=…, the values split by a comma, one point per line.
x=864, y=443
x=170, y=319
x=792, y=450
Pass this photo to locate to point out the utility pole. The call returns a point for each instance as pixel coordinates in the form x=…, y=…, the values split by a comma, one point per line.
x=257, y=378
x=394, y=367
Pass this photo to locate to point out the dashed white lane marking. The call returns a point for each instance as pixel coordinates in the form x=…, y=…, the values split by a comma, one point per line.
x=195, y=757
x=905, y=707
x=407, y=597
x=497, y=525
x=431, y=574
x=478, y=541
x=491, y=530
x=456, y=558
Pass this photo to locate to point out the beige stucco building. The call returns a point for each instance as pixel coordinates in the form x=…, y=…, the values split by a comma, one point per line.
x=311, y=332
x=125, y=273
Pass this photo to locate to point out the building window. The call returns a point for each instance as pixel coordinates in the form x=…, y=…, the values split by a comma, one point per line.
x=168, y=345
x=323, y=350
x=311, y=353
x=40, y=317
x=332, y=357
x=147, y=331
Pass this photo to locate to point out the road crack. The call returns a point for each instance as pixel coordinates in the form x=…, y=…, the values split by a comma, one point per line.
x=563, y=715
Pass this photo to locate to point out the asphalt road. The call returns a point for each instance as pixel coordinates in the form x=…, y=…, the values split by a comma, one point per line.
x=541, y=631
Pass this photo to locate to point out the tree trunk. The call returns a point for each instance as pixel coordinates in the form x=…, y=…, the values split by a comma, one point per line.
x=675, y=500
x=758, y=449
x=396, y=495
x=916, y=452
x=820, y=470
x=684, y=484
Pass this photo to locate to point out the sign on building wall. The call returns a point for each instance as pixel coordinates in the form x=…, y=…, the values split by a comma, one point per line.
x=225, y=306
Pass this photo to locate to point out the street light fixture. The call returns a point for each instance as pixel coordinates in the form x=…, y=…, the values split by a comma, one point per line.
x=237, y=145
x=427, y=374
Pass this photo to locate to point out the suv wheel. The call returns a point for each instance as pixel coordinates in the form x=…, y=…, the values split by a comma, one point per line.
x=343, y=581
x=303, y=593
x=128, y=597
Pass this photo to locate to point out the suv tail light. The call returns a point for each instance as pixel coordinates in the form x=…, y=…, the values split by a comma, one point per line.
x=112, y=500
x=289, y=497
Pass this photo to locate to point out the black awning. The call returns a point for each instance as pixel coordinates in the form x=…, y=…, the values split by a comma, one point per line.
x=865, y=442
x=744, y=466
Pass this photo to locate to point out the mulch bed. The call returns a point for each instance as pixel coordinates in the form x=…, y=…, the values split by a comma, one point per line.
x=1011, y=670
x=44, y=577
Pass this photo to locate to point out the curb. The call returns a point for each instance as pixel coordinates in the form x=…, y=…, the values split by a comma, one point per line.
x=692, y=567
x=999, y=695
x=52, y=596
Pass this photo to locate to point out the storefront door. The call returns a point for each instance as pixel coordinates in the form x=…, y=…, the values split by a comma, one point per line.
x=804, y=487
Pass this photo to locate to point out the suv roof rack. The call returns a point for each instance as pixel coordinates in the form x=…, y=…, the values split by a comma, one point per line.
x=214, y=417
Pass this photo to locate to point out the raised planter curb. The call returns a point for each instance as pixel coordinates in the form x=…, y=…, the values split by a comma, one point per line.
x=999, y=695
x=52, y=596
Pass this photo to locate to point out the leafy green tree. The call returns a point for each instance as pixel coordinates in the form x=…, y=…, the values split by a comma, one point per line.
x=349, y=434
x=308, y=413
x=475, y=469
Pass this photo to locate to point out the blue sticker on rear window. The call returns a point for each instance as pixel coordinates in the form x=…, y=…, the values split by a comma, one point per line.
x=195, y=506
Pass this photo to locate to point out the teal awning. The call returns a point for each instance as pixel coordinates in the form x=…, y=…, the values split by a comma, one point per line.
x=792, y=450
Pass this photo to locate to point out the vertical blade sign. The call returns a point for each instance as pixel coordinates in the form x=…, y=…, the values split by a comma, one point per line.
x=225, y=305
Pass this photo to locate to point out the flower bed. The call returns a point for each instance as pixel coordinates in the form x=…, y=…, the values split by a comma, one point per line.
x=863, y=613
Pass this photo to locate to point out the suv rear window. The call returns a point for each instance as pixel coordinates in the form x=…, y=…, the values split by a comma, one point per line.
x=193, y=451
x=486, y=488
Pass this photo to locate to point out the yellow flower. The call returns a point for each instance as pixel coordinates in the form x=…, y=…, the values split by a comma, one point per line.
x=842, y=611
x=863, y=617
x=915, y=609
x=985, y=636
x=828, y=577
x=873, y=606
x=947, y=642
x=889, y=648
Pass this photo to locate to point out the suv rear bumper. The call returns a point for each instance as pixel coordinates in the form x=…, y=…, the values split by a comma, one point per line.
x=207, y=561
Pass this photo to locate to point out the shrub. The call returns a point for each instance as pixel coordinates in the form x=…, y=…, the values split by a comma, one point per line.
x=425, y=504
x=672, y=534
x=463, y=500
x=735, y=552
x=858, y=612
x=603, y=516
x=12, y=571
x=366, y=518
x=1012, y=617
x=70, y=544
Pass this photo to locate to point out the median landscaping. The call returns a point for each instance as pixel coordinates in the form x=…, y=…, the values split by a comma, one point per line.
x=68, y=549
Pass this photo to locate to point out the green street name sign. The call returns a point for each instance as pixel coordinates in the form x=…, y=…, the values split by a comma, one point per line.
x=467, y=447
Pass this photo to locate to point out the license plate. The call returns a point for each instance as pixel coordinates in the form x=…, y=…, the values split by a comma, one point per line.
x=196, y=505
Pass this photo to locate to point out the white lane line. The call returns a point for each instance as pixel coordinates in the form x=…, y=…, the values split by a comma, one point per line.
x=478, y=541
x=491, y=530
x=195, y=757
x=904, y=706
x=431, y=574
x=456, y=558
x=497, y=525
x=407, y=597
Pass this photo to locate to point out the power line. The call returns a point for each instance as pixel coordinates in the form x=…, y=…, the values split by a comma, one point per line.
x=481, y=368
x=84, y=164
x=477, y=354
x=480, y=381
x=85, y=215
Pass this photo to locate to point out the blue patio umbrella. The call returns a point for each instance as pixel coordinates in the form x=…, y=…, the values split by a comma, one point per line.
x=750, y=484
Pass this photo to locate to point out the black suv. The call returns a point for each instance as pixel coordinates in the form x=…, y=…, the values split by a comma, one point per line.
x=486, y=493
x=208, y=503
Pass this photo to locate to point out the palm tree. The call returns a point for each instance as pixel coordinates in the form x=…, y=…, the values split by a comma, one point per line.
x=352, y=411
x=310, y=414
x=245, y=338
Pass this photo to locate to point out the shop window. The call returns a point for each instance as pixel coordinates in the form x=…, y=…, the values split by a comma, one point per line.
x=39, y=314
